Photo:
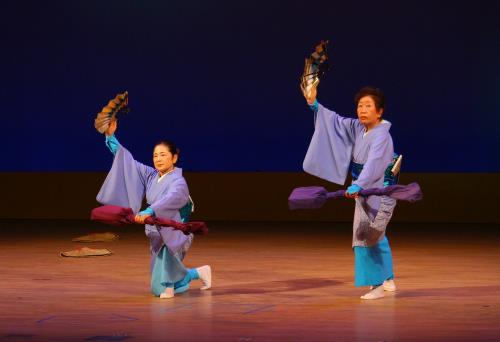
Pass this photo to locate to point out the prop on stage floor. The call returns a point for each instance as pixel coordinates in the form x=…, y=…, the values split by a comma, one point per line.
x=86, y=252
x=314, y=68
x=109, y=112
x=97, y=237
x=118, y=216
x=314, y=197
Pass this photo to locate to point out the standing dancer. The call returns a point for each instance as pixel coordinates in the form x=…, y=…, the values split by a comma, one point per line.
x=365, y=146
x=167, y=195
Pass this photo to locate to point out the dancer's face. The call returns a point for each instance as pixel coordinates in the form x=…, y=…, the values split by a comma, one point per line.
x=368, y=114
x=163, y=159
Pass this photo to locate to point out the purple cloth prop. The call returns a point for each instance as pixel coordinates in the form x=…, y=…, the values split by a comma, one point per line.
x=314, y=197
x=118, y=216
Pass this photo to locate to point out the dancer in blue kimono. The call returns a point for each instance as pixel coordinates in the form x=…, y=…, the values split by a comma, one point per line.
x=363, y=146
x=167, y=196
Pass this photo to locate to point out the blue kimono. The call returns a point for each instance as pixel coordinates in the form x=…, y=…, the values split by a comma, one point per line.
x=126, y=185
x=341, y=144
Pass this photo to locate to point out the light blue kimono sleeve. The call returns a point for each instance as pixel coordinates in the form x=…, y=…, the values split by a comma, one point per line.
x=330, y=151
x=314, y=106
x=176, y=197
x=147, y=211
x=125, y=184
x=112, y=143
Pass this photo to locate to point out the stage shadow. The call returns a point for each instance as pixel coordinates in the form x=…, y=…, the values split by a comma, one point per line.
x=275, y=286
x=465, y=291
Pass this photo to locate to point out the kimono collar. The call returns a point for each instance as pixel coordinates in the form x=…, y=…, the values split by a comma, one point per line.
x=177, y=171
x=384, y=124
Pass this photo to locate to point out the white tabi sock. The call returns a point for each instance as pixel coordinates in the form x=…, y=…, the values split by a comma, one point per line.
x=389, y=285
x=376, y=293
x=205, y=273
x=169, y=293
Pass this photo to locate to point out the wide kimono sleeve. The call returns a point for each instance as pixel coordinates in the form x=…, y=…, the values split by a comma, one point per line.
x=330, y=151
x=379, y=157
x=125, y=183
x=168, y=204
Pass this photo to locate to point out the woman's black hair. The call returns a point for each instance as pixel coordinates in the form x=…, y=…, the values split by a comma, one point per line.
x=375, y=93
x=170, y=146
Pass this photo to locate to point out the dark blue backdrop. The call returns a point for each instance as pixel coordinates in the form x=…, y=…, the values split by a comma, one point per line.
x=221, y=79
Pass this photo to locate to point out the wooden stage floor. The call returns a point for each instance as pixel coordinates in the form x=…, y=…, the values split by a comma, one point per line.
x=271, y=282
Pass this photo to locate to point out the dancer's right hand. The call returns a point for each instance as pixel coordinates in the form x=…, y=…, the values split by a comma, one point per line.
x=353, y=191
x=140, y=218
x=112, y=127
x=312, y=94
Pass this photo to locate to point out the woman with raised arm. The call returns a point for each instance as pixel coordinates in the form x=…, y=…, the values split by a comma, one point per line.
x=363, y=146
x=167, y=196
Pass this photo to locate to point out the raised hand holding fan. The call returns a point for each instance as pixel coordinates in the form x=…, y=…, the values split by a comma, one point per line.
x=109, y=112
x=315, y=67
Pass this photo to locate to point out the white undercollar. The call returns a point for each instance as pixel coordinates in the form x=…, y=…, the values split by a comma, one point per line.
x=381, y=122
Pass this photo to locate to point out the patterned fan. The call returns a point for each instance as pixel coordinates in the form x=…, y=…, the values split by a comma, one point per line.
x=109, y=112
x=314, y=68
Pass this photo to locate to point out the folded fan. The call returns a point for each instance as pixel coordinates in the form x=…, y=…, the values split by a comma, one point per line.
x=86, y=252
x=97, y=237
x=315, y=67
x=109, y=112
